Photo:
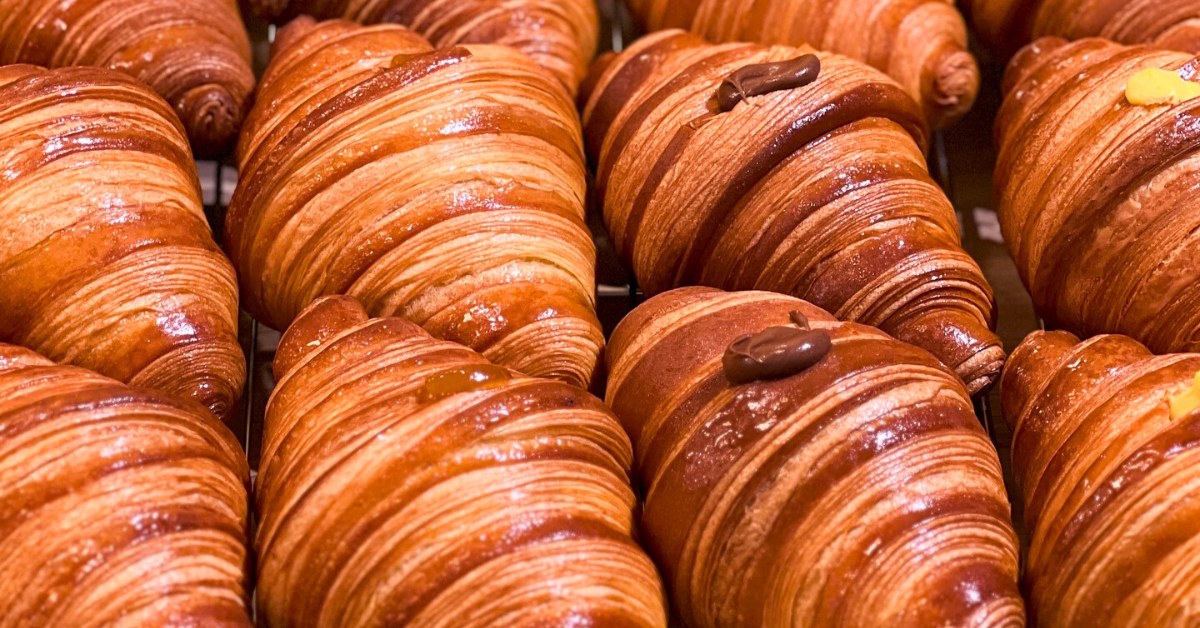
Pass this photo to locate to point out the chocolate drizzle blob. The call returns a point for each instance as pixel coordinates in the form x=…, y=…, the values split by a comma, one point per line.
x=764, y=78
x=775, y=352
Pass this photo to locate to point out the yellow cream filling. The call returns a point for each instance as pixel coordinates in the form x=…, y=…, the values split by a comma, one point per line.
x=1186, y=401
x=1153, y=86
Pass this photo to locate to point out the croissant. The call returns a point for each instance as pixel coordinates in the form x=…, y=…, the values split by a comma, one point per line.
x=1097, y=199
x=560, y=35
x=106, y=260
x=119, y=506
x=1105, y=451
x=802, y=472
x=406, y=481
x=194, y=53
x=820, y=191
x=1006, y=25
x=444, y=186
x=922, y=44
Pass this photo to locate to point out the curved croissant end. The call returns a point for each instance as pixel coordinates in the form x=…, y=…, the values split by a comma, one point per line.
x=118, y=506
x=559, y=35
x=445, y=186
x=1110, y=477
x=194, y=53
x=861, y=492
x=1097, y=196
x=407, y=481
x=106, y=261
x=922, y=44
x=820, y=192
x=1006, y=25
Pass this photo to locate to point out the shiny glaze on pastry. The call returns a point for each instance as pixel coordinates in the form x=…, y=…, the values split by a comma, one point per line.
x=1006, y=25
x=560, y=35
x=194, y=53
x=106, y=260
x=500, y=503
x=859, y=492
x=119, y=506
x=922, y=44
x=1097, y=196
x=444, y=186
x=1110, y=481
x=819, y=191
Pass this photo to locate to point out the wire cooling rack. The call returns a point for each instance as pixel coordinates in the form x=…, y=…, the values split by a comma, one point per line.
x=961, y=160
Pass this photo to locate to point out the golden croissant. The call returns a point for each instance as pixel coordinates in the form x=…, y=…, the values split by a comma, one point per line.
x=1106, y=450
x=819, y=191
x=560, y=35
x=843, y=481
x=1097, y=195
x=407, y=481
x=922, y=44
x=106, y=260
x=1006, y=25
x=444, y=186
x=119, y=506
x=194, y=53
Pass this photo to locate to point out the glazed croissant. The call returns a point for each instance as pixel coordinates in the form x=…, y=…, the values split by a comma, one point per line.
x=1105, y=451
x=560, y=35
x=119, y=506
x=1097, y=196
x=444, y=186
x=819, y=191
x=194, y=53
x=106, y=260
x=920, y=43
x=844, y=481
x=407, y=481
x=1006, y=25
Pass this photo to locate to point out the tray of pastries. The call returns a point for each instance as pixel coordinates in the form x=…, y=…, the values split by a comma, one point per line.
x=599, y=313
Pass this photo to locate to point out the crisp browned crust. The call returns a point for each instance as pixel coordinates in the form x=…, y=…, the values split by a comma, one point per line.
x=194, y=53
x=1110, y=481
x=506, y=506
x=445, y=186
x=820, y=192
x=119, y=506
x=922, y=44
x=106, y=260
x=1006, y=25
x=1097, y=197
x=859, y=493
x=559, y=35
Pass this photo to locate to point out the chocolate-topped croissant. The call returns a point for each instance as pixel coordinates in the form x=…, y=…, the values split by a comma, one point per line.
x=1106, y=450
x=560, y=35
x=119, y=506
x=106, y=260
x=407, y=481
x=801, y=472
x=1097, y=195
x=740, y=167
x=444, y=186
x=194, y=53
x=922, y=44
x=1006, y=25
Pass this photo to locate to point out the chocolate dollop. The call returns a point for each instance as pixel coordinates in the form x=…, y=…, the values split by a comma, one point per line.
x=775, y=352
x=764, y=78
